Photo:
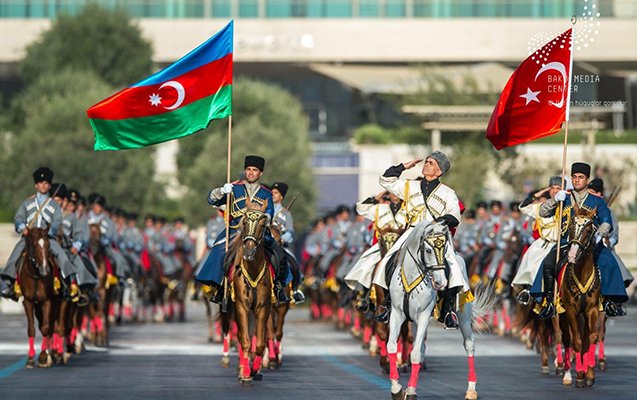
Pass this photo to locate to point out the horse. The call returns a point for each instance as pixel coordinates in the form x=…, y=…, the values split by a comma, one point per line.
x=252, y=283
x=419, y=272
x=580, y=297
x=99, y=311
x=36, y=274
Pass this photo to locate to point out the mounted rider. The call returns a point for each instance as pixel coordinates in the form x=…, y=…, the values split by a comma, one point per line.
x=97, y=215
x=213, y=269
x=38, y=211
x=612, y=287
x=389, y=217
x=430, y=200
x=285, y=222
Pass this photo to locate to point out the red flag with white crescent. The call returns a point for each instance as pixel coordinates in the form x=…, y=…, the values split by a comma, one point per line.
x=533, y=103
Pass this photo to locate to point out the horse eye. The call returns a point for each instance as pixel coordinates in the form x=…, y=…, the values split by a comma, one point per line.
x=429, y=251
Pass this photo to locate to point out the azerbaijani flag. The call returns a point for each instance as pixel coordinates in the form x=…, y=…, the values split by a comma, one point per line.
x=175, y=102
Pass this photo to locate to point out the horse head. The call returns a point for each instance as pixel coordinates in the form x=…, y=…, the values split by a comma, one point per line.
x=580, y=232
x=432, y=250
x=38, y=248
x=253, y=227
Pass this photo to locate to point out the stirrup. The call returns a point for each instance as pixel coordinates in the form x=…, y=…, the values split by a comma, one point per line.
x=383, y=314
x=611, y=309
x=622, y=310
x=363, y=305
x=548, y=311
x=298, y=297
x=524, y=297
x=451, y=320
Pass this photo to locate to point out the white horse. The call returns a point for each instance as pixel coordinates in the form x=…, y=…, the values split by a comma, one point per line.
x=419, y=274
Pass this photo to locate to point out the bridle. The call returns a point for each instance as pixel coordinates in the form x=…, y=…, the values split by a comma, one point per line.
x=251, y=220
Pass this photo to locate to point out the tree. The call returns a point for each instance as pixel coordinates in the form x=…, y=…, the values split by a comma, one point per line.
x=471, y=160
x=104, y=41
x=267, y=121
x=56, y=133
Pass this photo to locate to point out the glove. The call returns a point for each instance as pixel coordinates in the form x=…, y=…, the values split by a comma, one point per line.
x=227, y=188
x=287, y=237
x=597, y=238
x=604, y=230
x=561, y=195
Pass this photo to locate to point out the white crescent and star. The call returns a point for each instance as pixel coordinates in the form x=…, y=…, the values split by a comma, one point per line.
x=155, y=99
x=530, y=95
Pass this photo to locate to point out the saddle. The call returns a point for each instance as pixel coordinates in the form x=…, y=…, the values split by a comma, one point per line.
x=390, y=267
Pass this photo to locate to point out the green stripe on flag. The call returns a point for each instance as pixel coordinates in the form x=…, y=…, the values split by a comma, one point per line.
x=133, y=133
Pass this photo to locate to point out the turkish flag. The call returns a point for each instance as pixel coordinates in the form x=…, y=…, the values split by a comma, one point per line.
x=534, y=101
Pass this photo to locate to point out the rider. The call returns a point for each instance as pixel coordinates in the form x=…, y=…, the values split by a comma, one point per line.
x=612, y=287
x=430, y=200
x=213, y=269
x=97, y=215
x=38, y=211
x=547, y=230
x=283, y=219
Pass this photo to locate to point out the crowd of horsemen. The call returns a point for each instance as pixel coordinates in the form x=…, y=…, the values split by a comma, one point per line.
x=344, y=253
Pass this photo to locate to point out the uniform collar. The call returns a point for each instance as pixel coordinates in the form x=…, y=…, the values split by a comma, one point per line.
x=428, y=187
x=41, y=198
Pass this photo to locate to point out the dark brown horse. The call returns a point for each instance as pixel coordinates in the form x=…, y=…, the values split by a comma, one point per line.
x=580, y=297
x=99, y=312
x=36, y=274
x=252, y=284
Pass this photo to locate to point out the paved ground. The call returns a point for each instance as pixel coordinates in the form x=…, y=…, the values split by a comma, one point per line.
x=174, y=361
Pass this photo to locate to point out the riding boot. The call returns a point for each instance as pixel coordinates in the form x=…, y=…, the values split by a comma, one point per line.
x=548, y=311
x=448, y=311
x=384, y=309
x=214, y=293
x=363, y=304
x=6, y=289
x=298, y=296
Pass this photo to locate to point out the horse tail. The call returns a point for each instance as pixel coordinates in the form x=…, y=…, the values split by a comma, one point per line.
x=485, y=300
x=537, y=326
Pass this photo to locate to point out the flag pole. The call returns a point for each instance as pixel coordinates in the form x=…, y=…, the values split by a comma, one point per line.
x=224, y=303
x=564, y=149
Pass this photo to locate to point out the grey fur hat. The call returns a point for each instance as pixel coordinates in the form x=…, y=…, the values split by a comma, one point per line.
x=442, y=160
x=555, y=181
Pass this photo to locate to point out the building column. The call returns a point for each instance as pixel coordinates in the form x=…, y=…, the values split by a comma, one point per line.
x=435, y=139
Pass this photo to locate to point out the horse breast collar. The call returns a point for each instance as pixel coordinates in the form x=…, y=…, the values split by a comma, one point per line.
x=252, y=282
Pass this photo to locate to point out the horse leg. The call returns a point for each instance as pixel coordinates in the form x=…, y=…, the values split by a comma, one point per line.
x=576, y=341
x=28, y=310
x=396, y=319
x=226, y=328
x=271, y=336
x=593, y=333
x=417, y=352
x=600, y=342
x=245, y=342
x=544, y=347
x=280, y=321
x=381, y=338
x=262, y=316
x=44, y=360
x=468, y=341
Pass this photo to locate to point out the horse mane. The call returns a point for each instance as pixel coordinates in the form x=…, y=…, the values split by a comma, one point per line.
x=413, y=240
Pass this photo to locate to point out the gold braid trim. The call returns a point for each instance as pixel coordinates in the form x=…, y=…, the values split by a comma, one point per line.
x=252, y=282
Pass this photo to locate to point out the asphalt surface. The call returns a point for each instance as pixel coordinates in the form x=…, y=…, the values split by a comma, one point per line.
x=174, y=361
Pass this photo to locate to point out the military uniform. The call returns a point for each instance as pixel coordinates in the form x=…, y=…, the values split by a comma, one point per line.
x=76, y=236
x=385, y=217
x=39, y=211
x=333, y=241
x=107, y=229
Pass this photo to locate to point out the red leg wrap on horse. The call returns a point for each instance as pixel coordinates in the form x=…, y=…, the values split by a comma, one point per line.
x=472, y=369
x=316, y=310
x=591, y=356
x=226, y=344
x=73, y=335
x=256, y=364
x=271, y=349
x=99, y=325
x=253, y=345
x=367, y=334
x=567, y=358
x=357, y=322
x=579, y=364
x=393, y=366
x=31, y=347
x=348, y=318
x=413, y=378
x=558, y=354
x=383, y=347
x=277, y=347
x=245, y=361
x=85, y=323
x=111, y=310
x=602, y=354
x=341, y=314
x=45, y=344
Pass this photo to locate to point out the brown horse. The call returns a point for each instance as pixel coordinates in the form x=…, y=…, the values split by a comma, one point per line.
x=580, y=297
x=252, y=283
x=36, y=273
x=99, y=312
x=277, y=318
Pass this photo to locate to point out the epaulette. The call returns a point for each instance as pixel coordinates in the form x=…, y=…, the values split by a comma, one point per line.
x=266, y=188
x=597, y=195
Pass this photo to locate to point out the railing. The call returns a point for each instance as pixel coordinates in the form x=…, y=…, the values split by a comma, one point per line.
x=327, y=8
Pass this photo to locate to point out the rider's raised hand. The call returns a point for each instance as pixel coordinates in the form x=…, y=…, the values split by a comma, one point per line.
x=561, y=195
x=227, y=188
x=412, y=163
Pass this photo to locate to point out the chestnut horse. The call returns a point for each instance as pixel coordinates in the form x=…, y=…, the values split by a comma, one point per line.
x=36, y=273
x=99, y=312
x=580, y=298
x=252, y=283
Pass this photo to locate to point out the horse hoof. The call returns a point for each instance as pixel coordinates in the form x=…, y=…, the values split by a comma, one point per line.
x=273, y=364
x=471, y=395
x=30, y=363
x=65, y=358
x=559, y=371
x=245, y=381
x=579, y=383
x=45, y=362
x=225, y=361
x=545, y=370
x=398, y=396
x=589, y=382
x=411, y=397
x=602, y=364
x=257, y=376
